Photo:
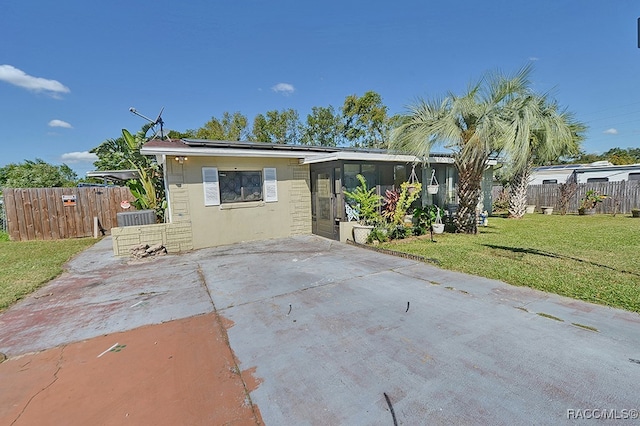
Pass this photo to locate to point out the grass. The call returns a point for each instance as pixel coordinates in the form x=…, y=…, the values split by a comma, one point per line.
x=27, y=265
x=591, y=258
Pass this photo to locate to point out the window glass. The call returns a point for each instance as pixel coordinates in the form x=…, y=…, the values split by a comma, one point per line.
x=604, y=179
x=399, y=175
x=350, y=172
x=634, y=176
x=370, y=173
x=549, y=181
x=240, y=186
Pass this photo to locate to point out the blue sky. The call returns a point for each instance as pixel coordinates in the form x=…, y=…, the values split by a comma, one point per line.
x=70, y=70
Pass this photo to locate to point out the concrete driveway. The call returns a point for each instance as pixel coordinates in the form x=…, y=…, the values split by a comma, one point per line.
x=336, y=334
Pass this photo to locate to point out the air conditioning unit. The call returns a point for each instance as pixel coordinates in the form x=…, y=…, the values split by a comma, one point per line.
x=137, y=217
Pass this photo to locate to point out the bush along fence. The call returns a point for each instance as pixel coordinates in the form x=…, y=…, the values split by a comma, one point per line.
x=56, y=213
x=621, y=198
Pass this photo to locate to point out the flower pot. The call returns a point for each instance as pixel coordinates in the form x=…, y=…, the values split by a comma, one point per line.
x=530, y=208
x=411, y=189
x=635, y=213
x=547, y=210
x=587, y=212
x=432, y=189
x=438, y=228
x=361, y=233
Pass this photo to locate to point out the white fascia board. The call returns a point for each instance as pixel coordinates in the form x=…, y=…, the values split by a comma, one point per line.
x=223, y=152
x=365, y=156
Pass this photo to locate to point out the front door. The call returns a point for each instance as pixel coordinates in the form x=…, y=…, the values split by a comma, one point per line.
x=323, y=206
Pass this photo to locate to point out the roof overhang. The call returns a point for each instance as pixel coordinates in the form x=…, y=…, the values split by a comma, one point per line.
x=304, y=154
x=114, y=174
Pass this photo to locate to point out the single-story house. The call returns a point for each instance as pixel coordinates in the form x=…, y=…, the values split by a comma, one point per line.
x=222, y=192
x=600, y=171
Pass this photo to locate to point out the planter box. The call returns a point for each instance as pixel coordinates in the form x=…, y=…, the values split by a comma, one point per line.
x=361, y=233
x=530, y=208
x=547, y=210
x=586, y=212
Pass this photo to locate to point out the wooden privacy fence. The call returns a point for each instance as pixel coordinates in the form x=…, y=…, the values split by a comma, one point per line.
x=54, y=213
x=621, y=196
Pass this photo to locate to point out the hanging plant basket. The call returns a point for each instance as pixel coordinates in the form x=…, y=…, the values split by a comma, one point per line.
x=411, y=188
x=433, y=186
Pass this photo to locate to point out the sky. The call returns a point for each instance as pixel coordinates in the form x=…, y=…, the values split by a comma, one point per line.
x=70, y=70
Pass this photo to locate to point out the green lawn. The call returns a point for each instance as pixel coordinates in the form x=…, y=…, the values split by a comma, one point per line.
x=25, y=266
x=592, y=258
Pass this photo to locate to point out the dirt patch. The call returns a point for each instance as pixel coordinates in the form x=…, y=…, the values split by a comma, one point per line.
x=179, y=372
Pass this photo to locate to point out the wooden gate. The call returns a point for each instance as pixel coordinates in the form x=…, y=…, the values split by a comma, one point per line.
x=55, y=213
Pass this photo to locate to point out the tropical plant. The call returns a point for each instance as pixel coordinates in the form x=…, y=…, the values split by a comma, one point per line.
x=543, y=134
x=391, y=198
x=148, y=189
x=591, y=199
x=366, y=201
x=409, y=192
x=475, y=126
x=423, y=218
x=379, y=234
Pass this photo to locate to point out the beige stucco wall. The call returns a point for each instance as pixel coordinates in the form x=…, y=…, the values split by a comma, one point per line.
x=231, y=223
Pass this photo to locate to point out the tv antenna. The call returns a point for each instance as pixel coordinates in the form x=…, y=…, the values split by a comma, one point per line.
x=154, y=123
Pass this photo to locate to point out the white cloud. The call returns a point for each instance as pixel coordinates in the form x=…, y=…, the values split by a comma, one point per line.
x=60, y=123
x=79, y=157
x=13, y=75
x=611, y=131
x=284, y=88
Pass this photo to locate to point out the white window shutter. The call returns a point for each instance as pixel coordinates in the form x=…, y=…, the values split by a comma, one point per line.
x=270, y=185
x=211, y=186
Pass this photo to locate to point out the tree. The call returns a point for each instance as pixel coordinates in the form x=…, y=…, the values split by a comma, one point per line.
x=623, y=156
x=366, y=124
x=475, y=126
x=232, y=127
x=36, y=174
x=542, y=134
x=149, y=187
x=323, y=127
x=282, y=127
x=123, y=153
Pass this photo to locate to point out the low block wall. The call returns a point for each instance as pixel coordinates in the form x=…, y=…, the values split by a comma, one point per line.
x=176, y=237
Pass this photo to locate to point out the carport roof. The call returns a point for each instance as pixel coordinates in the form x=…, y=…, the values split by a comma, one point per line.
x=305, y=153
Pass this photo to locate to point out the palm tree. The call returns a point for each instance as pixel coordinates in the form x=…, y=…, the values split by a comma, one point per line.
x=551, y=134
x=475, y=126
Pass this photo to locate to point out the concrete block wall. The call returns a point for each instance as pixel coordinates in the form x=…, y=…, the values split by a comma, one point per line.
x=176, y=237
x=300, y=196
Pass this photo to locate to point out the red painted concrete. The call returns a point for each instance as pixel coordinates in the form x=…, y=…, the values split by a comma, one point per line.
x=177, y=373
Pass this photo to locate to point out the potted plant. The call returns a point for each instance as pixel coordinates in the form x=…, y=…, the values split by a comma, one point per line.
x=366, y=202
x=635, y=212
x=589, y=202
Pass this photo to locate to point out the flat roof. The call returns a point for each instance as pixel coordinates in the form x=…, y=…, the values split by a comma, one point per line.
x=307, y=154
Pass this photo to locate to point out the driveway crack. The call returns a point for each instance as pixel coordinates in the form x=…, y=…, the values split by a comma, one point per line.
x=55, y=379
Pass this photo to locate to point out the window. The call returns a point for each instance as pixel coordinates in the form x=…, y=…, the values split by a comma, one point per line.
x=236, y=187
x=634, y=176
x=549, y=181
x=591, y=180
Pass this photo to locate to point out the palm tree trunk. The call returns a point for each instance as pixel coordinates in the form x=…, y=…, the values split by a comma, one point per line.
x=469, y=192
x=518, y=192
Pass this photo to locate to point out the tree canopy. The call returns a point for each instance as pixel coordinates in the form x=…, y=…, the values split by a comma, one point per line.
x=36, y=174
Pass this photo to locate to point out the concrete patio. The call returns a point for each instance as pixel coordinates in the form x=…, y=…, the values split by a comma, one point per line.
x=327, y=330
